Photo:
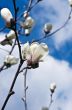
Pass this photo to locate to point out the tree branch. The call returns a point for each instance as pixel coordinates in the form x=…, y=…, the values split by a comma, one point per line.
x=12, y=86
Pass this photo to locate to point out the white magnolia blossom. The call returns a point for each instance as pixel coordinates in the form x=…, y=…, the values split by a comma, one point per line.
x=29, y=22
x=6, y=14
x=47, y=28
x=10, y=60
x=52, y=87
x=70, y=2
x=35, y=52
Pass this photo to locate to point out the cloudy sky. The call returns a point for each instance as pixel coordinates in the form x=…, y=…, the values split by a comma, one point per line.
x=57, y=66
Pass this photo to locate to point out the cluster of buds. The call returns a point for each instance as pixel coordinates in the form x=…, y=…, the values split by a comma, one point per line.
x=28, y=23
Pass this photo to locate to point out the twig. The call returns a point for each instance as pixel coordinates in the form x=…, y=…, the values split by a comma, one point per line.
x=25, y=89
x=12, y=47
x=2, y=67
x=51, y=101
x=2, y=29
x=15, y=9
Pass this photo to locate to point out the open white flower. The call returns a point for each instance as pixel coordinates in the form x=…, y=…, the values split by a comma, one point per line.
x=10, y=60
x=34, y=53
x=6, y=14
x=47, y=28
x=70, y=3
x=52, y=87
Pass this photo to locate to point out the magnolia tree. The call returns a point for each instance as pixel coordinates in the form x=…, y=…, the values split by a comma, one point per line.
x=30, y=53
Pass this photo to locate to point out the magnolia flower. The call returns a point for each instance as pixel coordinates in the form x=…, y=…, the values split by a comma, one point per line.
x=10, y=60
x=8, y=39
x=47, y=28
x=70, y=2
x=52, y=87
x=34, y=53
x=7, y=16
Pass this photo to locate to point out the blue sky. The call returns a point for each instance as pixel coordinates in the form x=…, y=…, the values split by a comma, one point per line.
x=57, y=66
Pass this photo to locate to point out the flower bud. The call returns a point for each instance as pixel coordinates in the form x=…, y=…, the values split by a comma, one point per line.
x=27, y=31
x=45, y=108
x=11, y=35
x=47, y=28
x=6, y=14
x=70, y=3
x=10, y=60
x=52, y=87
x=25, y=15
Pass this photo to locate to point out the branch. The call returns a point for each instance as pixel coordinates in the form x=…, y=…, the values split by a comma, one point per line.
x=25, y=89
x=12, y=86
x=2, y=29
x=15, y=9
x=2, y=67
x=51, y=101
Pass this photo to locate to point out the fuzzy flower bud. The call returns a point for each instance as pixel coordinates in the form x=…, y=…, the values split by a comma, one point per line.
x=26, y=14
x=10, y=60
x=52, y=87
x=27, y=31
x=70, y=3
x=47, y=28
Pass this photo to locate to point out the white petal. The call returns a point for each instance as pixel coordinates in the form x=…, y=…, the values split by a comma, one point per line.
x=38, y=51
x=33, y=47
x=26, y=51
x=6, y=14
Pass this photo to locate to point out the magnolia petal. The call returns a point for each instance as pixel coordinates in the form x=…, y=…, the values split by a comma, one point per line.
x=6, y=14
x=38, y=51
x=33, y=47
x=26, y=51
